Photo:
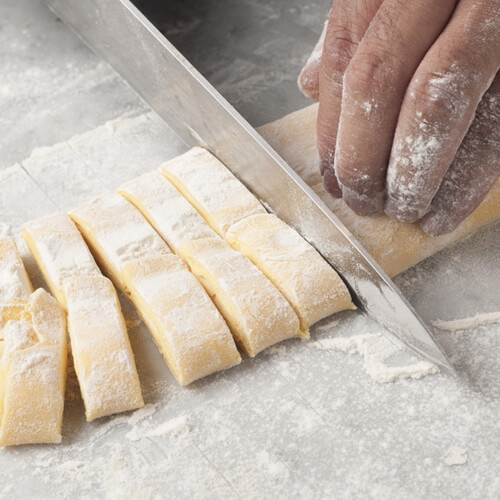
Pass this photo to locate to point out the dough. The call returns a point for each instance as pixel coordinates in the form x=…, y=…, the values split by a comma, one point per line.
x=166, y=209
x=211, y=188
x=33, y=373
x=117, y=233
x=140, y=262
x=103, y=358
x=225, y=280
x=312, y=287
x=258, y=315
x=396, y=246
x=15, y=286
x=59, y=251
x=14, y=282
x=186, y=326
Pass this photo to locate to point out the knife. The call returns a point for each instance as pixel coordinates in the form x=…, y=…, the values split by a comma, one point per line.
x=119, y=33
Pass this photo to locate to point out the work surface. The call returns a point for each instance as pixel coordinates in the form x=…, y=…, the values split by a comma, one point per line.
x=300, y=420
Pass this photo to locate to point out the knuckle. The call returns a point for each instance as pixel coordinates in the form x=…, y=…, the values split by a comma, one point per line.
x=341, y=46
x=442, y=96
x=371, y=73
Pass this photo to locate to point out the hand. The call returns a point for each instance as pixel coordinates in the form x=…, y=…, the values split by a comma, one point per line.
x=409, y=107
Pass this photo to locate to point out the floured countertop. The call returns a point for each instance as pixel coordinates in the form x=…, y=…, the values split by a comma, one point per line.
x=303, y=419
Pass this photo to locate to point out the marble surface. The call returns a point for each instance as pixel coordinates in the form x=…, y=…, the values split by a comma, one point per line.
x=297, y=421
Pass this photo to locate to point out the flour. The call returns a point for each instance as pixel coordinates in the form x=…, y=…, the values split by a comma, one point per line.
x=212, y=189
x=456, y=455
x=5, y=230
x=468, y=323
x=174, y=426
x=377, y=351
x=14, y=282
x=308, y=80
x=120, y=231
x=171, y=214
x=146, y=411
x=474, y=167
x=60, y=250
x=364, y=440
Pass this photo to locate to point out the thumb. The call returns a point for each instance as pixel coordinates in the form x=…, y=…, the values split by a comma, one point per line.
x=308, y=80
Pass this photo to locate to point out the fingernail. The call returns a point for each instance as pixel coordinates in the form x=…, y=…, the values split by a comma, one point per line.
x=402, y=212
x=363, y=204
x=330, y=182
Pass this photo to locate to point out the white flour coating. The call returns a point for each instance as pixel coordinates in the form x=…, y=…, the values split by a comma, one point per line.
x=19, y=335
x=183, y=320
x=470, y=323
x=5, y=230
x=309, y=76
x=300, y=273
x=122, y=232
x=376, y=350
x=254, y=308
x=62, y=250
x=212, y=189
x=101, y=350
x=14, y=282
x=33, y=362
x=456, y=455
x=417, y=155
x=145, y=412
x=473, y=171
x=367, y=106
x=174, y=426
x=171, y=214
x=412, y=176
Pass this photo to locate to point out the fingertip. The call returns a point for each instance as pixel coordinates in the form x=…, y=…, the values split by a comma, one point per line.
x=437, y=224
x=363, y=204
x=402, y=212
x=308, y=81
x=331, y=183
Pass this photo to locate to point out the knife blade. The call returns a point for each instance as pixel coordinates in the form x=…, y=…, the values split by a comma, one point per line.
x=119, y=33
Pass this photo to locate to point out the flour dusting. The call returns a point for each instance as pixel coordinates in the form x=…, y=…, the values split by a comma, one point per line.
x=5, y=230
x=377, y=352
x=174, y=427
x=475, y=321
x=456, y=455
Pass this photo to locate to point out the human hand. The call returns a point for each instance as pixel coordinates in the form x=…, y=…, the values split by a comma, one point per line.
x=409, y=107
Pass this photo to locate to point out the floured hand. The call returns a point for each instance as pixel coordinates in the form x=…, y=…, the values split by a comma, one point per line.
x=409, y=107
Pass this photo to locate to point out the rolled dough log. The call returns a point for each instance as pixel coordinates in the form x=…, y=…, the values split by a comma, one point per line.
x=166, y=209
x=396, y=246
x=102, y=355
x=186, y=326
x=33, y=373
x=211, y=188
x=258, y=315
x=59, y=251
x=164, y=206
x=103, y=358
x=307, y=281
x=141, y=264
x=310, y=285
x=117, y=233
